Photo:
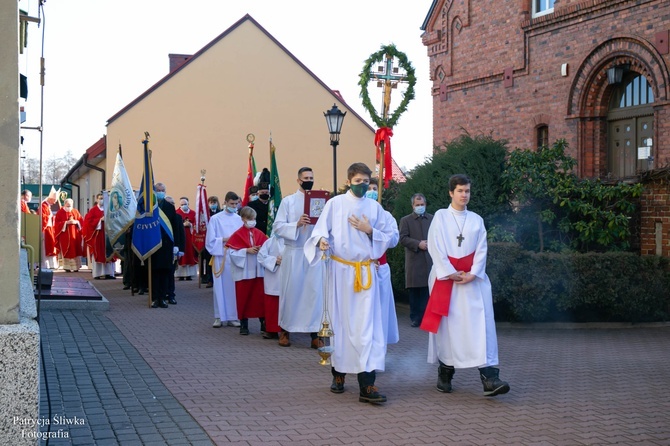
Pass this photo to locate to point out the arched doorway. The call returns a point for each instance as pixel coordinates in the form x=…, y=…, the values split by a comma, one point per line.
x=630, y=127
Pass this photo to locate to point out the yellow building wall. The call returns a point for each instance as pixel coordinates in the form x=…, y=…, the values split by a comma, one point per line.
x=244, y=83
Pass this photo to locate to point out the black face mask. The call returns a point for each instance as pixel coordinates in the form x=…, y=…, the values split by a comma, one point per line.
x=307, y=185
x=264, y=196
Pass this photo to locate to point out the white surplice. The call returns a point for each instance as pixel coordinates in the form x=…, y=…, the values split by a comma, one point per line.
x=357, y=320
x=221, y=226
x=467, y=336
x=267, y=257
x=301, y=295
x=389, y=316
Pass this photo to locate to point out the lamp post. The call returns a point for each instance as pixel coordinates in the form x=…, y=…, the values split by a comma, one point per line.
x=334, y=119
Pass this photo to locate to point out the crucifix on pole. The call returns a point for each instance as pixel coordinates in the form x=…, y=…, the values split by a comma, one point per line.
x=388, y=78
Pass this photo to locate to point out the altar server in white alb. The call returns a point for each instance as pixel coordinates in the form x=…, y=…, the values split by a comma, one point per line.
x=301, y=294
x=356, y=231
x=459, y=315
x=219, y=229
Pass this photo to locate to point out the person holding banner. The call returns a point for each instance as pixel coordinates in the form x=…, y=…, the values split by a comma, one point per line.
x=459, y=314
x=187, y=267
x=94, y=237
x=172, y=243
x=214, y=208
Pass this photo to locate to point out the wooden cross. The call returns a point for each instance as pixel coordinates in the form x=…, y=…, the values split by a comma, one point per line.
x=386, y=79
x=460, y=238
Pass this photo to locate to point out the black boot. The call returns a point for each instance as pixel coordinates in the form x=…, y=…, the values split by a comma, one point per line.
x=492, y=384
x=244, y=327
x=338, y=381
x=369, y=393
x=444, y=375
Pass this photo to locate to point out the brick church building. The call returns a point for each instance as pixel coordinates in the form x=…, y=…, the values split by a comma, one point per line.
x=593, y=72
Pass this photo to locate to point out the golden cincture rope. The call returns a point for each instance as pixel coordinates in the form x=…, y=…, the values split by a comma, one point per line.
x=218, y=273
x=358, y=267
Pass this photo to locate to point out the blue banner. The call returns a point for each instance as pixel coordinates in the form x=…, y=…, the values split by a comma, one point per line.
x=147, y=225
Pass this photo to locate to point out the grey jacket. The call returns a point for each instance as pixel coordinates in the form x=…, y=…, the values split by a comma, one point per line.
x=413, y=229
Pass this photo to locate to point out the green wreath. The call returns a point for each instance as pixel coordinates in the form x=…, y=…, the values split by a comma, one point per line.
x=407, y=96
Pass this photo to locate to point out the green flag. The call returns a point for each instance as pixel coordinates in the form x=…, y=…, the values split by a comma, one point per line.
x=275, y=190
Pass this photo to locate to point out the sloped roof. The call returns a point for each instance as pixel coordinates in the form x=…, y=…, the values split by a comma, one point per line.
x=247, y=17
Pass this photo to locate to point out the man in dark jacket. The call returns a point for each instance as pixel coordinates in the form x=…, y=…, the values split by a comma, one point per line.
x=261, y=206
x=414, y=236
x=162, y=261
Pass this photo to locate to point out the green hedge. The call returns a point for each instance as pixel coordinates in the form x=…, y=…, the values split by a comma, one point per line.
x=591, y=287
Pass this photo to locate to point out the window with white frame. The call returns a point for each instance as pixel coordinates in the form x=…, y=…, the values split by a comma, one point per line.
x=542, y=7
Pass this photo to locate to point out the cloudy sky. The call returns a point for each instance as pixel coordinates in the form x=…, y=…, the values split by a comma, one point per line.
x=102, y=54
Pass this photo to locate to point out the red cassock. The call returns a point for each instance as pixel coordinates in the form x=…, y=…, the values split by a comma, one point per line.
x=50, y=248
x=250, y=293
x=95, y=238
x=69, y=240
x=24, y=207
x=189, y=257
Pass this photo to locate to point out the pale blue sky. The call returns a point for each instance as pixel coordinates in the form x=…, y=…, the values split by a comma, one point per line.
x=102, y=54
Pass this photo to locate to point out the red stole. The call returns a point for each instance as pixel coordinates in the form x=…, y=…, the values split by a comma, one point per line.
x=440, y=295
x=241, y=239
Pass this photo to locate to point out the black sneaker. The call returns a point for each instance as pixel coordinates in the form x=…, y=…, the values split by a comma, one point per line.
x=244, y=331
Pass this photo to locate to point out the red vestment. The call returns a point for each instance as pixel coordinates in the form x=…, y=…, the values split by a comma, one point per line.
x=50, y=248
x=95, y=238
x=68, y=233
x=189, y=257
x=271, y=313
x=24, y=207
x=250, y=293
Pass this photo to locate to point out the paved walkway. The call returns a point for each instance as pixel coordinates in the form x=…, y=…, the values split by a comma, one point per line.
x=137, y=375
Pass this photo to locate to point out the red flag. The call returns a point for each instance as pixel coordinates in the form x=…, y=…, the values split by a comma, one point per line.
x=251, y=172
x=201, y=218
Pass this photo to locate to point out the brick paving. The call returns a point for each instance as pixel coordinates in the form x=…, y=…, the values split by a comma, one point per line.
x=164, y=376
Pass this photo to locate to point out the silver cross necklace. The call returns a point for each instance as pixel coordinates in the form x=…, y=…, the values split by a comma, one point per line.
x=460, y=237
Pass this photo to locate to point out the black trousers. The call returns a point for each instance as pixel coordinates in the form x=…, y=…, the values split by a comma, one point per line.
x=418, y=299
x=160, y=283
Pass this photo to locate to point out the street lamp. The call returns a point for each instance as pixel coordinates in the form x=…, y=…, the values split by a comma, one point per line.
x=334, y=119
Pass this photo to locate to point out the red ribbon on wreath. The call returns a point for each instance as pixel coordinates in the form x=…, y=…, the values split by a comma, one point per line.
x=384, y=135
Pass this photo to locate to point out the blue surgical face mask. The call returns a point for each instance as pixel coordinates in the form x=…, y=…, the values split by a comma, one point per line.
x=420, y=210
x=213, y=207
x=253, y=198
x=160, y=195
x=231, y=210
x=372, y=194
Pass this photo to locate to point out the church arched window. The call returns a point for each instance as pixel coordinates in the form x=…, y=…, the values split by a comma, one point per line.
x=635, y=91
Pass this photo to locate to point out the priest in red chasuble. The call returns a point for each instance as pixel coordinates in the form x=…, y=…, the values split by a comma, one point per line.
x=187, y=267
x=49, y=248
x=68, y=224
x=94, y=238
x=243, y=247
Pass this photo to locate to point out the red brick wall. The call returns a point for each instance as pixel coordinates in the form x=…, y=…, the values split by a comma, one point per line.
x=471, y=43
x=655, y=208
x=497, y=71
